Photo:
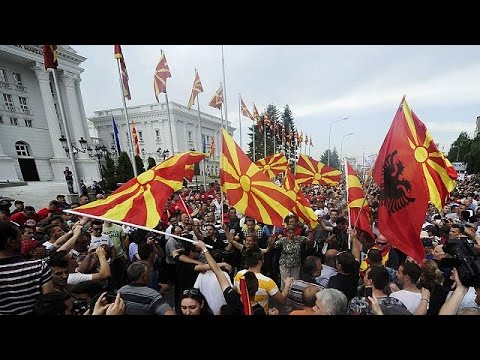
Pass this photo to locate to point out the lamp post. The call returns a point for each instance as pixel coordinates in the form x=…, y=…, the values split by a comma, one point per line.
x=458, y=151
x=341, y=147
x=330, y=135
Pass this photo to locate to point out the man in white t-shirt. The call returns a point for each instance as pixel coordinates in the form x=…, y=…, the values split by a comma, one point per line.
x=98, y=239
x=408, y=274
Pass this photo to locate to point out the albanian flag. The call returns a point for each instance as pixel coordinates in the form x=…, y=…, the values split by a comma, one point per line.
x=302, y=207
x=273, y=165
x=141, y=200
x=358, y=209
x=410, y=171
x=248, y=189
x=310, y=171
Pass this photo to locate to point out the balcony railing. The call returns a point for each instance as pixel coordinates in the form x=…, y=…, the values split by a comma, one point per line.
x=26, y=111
x=4, y=84
x=21, y=87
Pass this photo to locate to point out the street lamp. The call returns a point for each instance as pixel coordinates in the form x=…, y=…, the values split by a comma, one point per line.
x=330, y=135
x=84, y=147
x=458, y=150
x=341, y=147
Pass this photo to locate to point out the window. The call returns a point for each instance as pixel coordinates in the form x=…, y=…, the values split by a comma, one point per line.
x=28, y=123
x=24, y=105
x=8, y=99
x=14, y=121
x=3, y=75
x=18, y=78
x=143, y=152
x=1, y=120
x=157, y=135
x=140, y=135
x=52, y=88
x=22, y=149
x=190, y=136
x=113, y=136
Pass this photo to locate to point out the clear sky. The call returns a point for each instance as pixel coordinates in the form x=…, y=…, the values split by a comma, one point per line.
x=320, y=83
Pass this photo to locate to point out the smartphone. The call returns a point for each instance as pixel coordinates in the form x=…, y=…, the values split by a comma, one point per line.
x=368, y=292
x=110, y=297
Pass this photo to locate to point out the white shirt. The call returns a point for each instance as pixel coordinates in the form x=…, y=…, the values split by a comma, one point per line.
x=410, y=299
x=103, y=239
x=209, y=286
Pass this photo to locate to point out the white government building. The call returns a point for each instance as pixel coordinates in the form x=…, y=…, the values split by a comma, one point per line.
x=30, y=122
x=151, y=123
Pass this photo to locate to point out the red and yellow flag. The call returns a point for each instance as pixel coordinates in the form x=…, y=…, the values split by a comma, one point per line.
x=123, y=70
x=211, y=152
x=358, y=209
x=217, y=99
x=197, y=89
x=256, y=117
x=50, y=56
x=302, y=206
x=410, y=171
x=141, y=200
x=247, y=307
x=136, y=146
x=244, y=110
x=266, y=121
x=162, y=72
x=248, y=189
x=273, y=165
x=311, y=144
x=310, y=171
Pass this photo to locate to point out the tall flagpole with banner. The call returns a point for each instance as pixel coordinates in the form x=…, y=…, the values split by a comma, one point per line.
x=240, y=121
x=50, y=61
x=162, y=72
x=125, y=90
x=198, y=88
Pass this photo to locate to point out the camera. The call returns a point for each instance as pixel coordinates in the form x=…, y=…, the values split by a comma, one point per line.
x=464, y=258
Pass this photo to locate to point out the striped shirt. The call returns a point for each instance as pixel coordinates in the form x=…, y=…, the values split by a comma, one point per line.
x=266, y=287
x=21, y=283
x=142, y=300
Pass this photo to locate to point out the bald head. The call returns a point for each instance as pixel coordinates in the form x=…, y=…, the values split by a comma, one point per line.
x=309, y=296
x=331, y=257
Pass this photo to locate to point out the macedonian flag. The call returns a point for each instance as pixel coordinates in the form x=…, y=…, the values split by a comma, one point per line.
x=302, y=207
x=410, y=171
x=162, y=73
x=358, y=209
x=197, y=89
x=273, y=165
x=310, y=171
x=248, y=189
x=142, y=200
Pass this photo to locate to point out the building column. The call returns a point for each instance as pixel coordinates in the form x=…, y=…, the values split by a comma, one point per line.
x=74, y=116
x=50, y=113
x=82, y=109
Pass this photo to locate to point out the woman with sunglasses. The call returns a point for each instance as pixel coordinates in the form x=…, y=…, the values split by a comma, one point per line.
x=192, y=302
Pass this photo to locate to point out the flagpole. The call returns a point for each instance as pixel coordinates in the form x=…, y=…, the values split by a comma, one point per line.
x=169, y=121
x=348, y=209
x=201, y=141
x=224, y=90
x=133, y=225
x=363, y=202
x=185, y=206
x=264, y=138
x=240, y=120
x=129, y=130
x=67, y=135
x=274, y=128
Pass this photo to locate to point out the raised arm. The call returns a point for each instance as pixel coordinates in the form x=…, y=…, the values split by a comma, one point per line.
x=221, y=277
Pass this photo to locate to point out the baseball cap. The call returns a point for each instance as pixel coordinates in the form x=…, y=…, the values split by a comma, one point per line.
x=29, y=245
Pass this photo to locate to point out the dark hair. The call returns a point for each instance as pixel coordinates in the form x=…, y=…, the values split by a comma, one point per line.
x=57, y=259
x=97, y=222
x=136, y=270
x=341, y=221
x=29, y=208
x=51, y=304
x=348, y=263
x=144, y=250
x=412, y=270
x=60, y=196
x=8, y=231
x=49, y=229
x=252, y=257
x=379, y=276
x=375, y=256
x=310, y=264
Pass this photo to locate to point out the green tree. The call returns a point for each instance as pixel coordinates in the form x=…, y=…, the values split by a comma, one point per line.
x=151, y=163
x=460, y=148
x=290, y=146
x=124, y=170
x=108, y=174
x=139, y=165
x=334, y=159
x=472, y=157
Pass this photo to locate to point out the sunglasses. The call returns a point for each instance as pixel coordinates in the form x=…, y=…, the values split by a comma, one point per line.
x=191, y=292
x=381, y=244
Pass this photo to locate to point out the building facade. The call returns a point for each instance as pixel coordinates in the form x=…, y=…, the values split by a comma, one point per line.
x=151, y=123
x=30, y=121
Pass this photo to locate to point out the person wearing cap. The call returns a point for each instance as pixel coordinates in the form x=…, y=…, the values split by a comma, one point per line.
x=33, y=250
x=19, y=205
x=27, y=215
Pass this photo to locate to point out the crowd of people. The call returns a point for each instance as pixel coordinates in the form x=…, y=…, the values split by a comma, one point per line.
x=55, y=262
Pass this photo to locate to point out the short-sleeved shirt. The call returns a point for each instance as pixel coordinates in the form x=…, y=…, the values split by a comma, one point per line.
x=115, y=232
x=266, y=287
x=142, y=300
x=360, y=306
x=290, y=251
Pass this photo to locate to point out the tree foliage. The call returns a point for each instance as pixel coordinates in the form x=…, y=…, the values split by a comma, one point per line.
x=334, y=159
x=124, y=170
x=151, y=162
x=467, y=150
x=139, y=165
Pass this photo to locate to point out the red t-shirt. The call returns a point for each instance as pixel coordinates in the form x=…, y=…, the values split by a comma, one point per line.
x=20, y=218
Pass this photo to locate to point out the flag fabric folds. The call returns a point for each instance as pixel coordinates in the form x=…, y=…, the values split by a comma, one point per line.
x=141, y=200
x=115, y=136
x=211, y=152
x=358, y=210
x=136, y=146
x=247, y=307
x=217, y=99
x=162, y=72
x=310, y=171
x=410, y=171
x=50, y=56
x=123, y=70
x=244, y=110
x=197, y=89
x=302, y=207
x=248, y=189
x=273, y=165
